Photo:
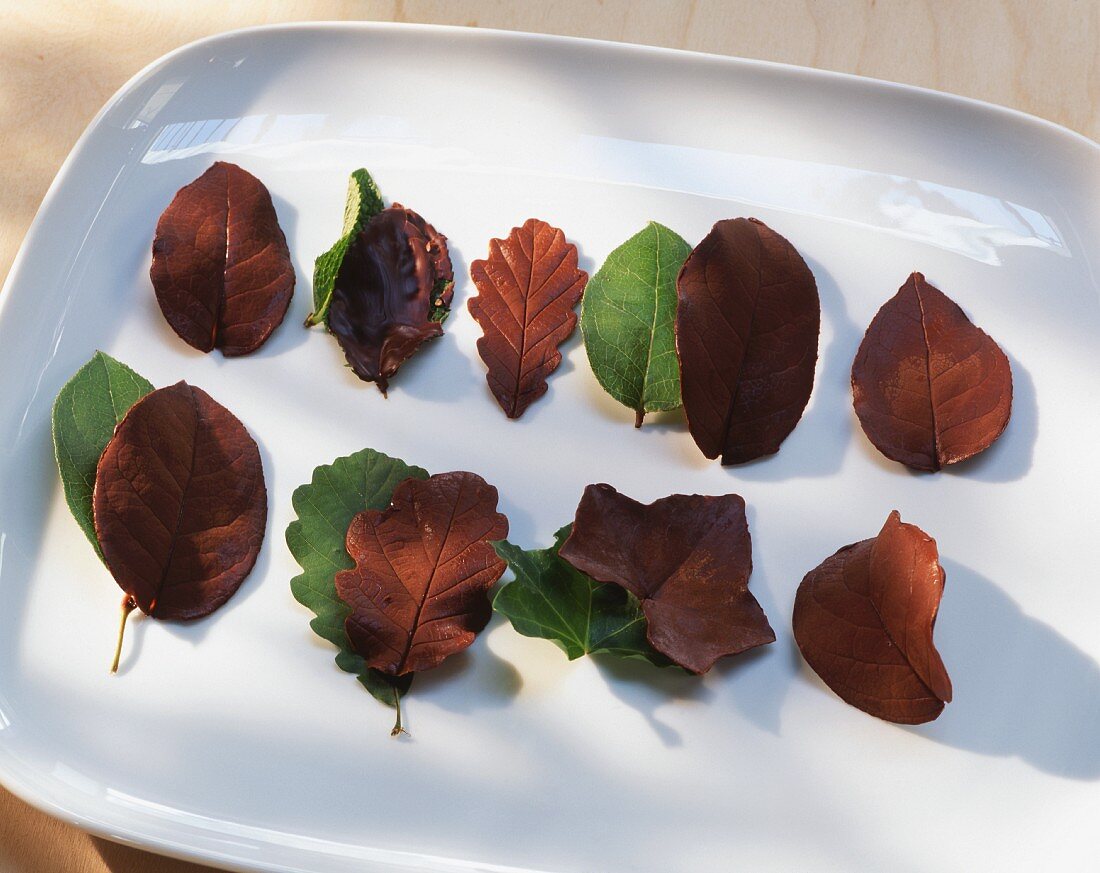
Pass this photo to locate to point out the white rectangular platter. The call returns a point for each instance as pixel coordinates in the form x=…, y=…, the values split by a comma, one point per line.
x=236, y=740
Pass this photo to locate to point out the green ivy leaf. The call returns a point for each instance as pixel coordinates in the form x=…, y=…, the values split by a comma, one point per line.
x=85, y=413
x=325, y=508
x=628, y=315
x=363, y=202
x=551, y=599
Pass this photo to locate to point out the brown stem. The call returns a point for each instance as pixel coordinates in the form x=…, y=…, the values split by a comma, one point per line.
x=639, y=414
x=397, y=728
x=128, y=606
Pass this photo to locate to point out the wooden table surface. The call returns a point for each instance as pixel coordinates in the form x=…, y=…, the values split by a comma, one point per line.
x=61, y=59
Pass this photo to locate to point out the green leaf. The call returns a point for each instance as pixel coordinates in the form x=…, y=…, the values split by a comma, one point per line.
x=551, y=599
x=325, y=508
x=85, y=413
x=628, y=315
x=363, y=202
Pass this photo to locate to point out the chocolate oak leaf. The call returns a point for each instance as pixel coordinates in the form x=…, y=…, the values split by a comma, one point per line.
x=863, y=621
x=221, y=267
x=419, y=590
x=687, y=558
x=527, y=289
x=747, y=329
x=930, y=388
x=392, y=293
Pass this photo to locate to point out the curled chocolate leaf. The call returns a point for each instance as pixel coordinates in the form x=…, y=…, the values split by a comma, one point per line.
x=527, y=289
x=930, y=388
x=747, y=329
x=221, y=267
x=392, y=292
x=864, y=619
x=687, y=558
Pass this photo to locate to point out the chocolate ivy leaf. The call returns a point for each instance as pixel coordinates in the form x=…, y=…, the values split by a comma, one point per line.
x=391, y=293
x=551, y=599
x=687, y=558
x=746, y=333
x=85, y=414
x=180, y=504
x=221, y=267
x=423, y=570
x=628, y=317
x=527, y=289
x=325, y=507
x=864, y=619
x=929, y=387
x=363, y=202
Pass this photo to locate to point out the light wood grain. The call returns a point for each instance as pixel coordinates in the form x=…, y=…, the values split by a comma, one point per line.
x=59, y=62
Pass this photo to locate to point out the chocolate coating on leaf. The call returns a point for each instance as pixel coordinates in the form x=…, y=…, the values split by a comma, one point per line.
x=930, y=388
x=180, y=503
x=747, y=326
x=392, y=292
x=687, y=558
x=221, y=267
x=864, y=620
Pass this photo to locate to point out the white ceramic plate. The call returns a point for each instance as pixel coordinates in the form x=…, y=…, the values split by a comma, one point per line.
x=237, y=741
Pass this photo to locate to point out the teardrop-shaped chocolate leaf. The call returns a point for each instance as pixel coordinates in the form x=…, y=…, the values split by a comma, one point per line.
x=864, y=620
x=930, y=388
x=221, y=267
x=747, y=329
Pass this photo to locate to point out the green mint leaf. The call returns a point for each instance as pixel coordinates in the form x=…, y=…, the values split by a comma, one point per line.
x=628, y=316
x=325, y=507
x=363, y=202
x=551, y=599
x=85, y=413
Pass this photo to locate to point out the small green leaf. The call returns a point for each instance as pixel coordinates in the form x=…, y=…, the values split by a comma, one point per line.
x=325, y=508
x=363, y=202
x=628, y=316
x=85, y=413
x=551, y=599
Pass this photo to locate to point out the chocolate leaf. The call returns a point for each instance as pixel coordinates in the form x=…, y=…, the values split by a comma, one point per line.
x=392, y=292
x=687, y=558
x=363, y=202
x=864, y=620
x=527, y=289
x=628, y=317
x=325, y=507
x=423, y=570
x=551, y=599
x=746, y=334
x=929, y=387
x=85, y=414
x=221, y=268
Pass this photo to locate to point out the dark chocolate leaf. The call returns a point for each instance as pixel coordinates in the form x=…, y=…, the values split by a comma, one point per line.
x=419, y=591
x=180, y=504
x=687, y=558
x=221, y=268
x=325, y=507
x=864, y=618
x=527, y=289
x=929, y=387
x=85, y=414
x=552, y=599
x=747, y=329
x=392, y=293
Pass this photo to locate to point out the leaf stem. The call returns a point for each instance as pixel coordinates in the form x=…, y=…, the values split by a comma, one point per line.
x=128, y=606
x=397, y=728
x=639, y=415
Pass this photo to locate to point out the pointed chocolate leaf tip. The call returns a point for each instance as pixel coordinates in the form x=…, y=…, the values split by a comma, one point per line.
x=180, y=503
x=929, y=387
x=221, y=267
x=419, y=590
x=527, y=289
x=747, y=330
x=687, y=558
x=394, y=282
x=864, y=621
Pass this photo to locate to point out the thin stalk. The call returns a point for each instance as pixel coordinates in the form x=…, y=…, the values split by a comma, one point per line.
x=128, y=606
x=639, y=417
x=397, y=728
